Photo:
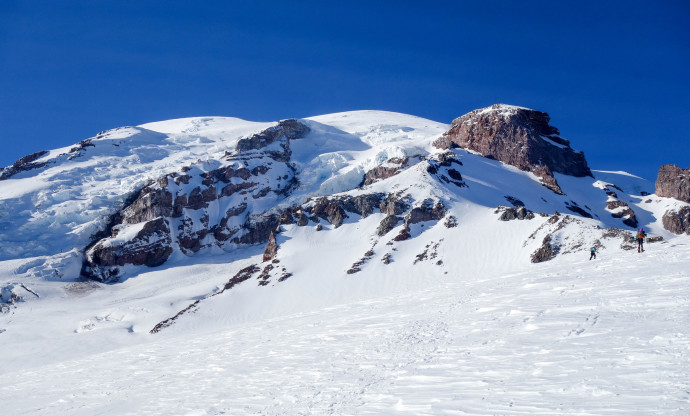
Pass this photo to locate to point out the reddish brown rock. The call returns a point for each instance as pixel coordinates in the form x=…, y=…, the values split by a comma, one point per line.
x=517, y=136
x=673, y=182
x=677, y=222
x=271, y=247
x=391, y=168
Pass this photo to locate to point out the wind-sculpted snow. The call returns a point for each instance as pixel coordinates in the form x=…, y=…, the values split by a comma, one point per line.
x=603, y=337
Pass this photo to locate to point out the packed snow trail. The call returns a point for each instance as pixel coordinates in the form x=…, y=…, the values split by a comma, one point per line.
x=572, y=337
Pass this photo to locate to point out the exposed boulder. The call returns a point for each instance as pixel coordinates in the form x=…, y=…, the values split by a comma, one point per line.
x=441, y=164
x=677, y=222
x=673, y=182
x=517, y=136
x=363, y=205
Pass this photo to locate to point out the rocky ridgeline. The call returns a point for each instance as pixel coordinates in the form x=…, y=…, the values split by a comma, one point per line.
x=24, y=164
x=199, y=207
x=517, y=136
x=237, y=204
x=674, y=182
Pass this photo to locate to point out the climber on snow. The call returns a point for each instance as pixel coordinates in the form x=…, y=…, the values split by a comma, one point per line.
x=640, y=240
x=593, y=252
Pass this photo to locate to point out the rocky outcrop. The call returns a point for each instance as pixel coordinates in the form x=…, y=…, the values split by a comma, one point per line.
x=334, y=208
x=620, y=209
x=441, y=165
x=387, y=224
x=673, y=182
x=546, y=252
x=202, y=206
x=391, y=168
x=513, y=213
x=428, y=210
x=271, y=248
x=24, y=164
x=150, y=246
x=517, y=136
x=677, y=222
x=285, y=131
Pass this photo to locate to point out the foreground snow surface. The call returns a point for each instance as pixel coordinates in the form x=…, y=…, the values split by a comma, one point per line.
x=575, y=337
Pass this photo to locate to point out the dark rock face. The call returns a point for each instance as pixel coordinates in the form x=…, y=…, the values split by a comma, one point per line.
x=379, y=173
x=151, y=246
x=23, y=164
x=387, y=224
x=673, y=182
x=394, y=204
x=677, y=222
x=514, y=213
x=519, y=137
x=428, y=211
x=285, y=131
x=200, y=207
x=391, y=168
x=333, y=209
x=626, y=213
x=441, y=166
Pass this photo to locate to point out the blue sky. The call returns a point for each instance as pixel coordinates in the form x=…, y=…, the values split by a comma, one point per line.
x=612, y=75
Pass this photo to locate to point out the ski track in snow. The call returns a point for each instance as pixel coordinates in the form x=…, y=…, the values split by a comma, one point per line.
x=606, y=337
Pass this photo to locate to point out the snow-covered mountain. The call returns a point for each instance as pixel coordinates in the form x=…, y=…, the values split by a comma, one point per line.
x=422, y=242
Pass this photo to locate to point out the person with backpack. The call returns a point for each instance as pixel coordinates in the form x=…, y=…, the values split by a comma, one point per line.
x=593, y=252
x=640, y=240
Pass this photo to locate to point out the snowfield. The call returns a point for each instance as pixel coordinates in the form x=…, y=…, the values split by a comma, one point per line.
x=577, y=337
x=452, y=319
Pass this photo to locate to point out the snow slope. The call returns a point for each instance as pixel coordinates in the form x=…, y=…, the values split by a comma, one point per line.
x=572, y=337
x=455, y=319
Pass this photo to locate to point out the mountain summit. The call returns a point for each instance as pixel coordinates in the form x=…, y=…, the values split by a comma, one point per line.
x=380, y=253
x=517, y=136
